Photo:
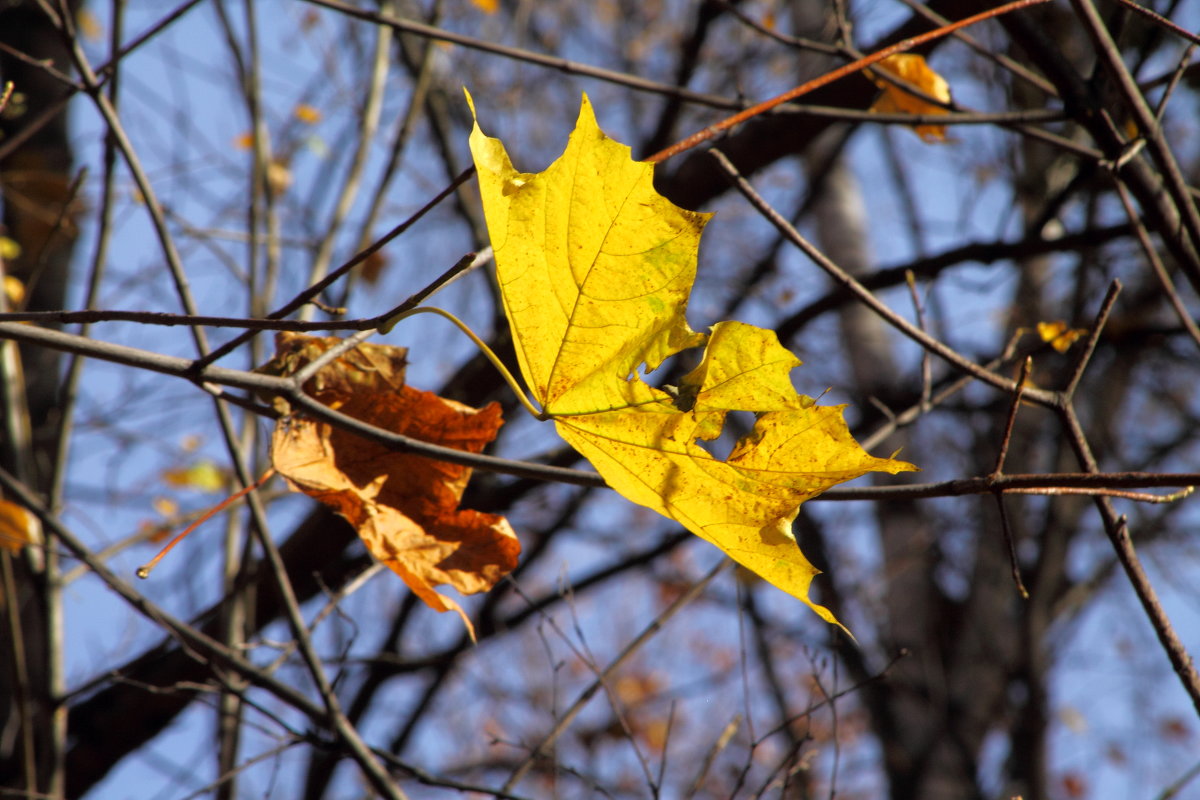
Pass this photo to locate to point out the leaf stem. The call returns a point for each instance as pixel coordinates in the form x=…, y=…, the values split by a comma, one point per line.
x=483, y=347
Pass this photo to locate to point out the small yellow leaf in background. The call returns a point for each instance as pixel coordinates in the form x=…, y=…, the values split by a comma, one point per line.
x=913, y=69
x=404, y=507
x=487, y=6
x=14, y=291
x=17, y=527
x=89, y=26
x=595, y=270
x=9, y=249
x=279, y=177
x=244, y=141
x=307, y=114
x=203, y=476
x=165, y=506
x=1057, y=334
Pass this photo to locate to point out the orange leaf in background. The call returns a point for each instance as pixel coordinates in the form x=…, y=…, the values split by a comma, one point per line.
x=1057, y=334
x=487, y=6
x=1074, y=785
x=154, y=532
x=373, y=267
x=309, y=115
x=17, y=527
x=1175, y=729
x=89, y=26
x=405, y=507
x=913, y=69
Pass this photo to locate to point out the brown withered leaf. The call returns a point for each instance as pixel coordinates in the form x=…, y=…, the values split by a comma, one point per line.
x=366, y=368
x=405, y=507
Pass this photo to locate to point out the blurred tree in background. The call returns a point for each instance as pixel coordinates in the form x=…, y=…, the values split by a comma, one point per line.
x=216, y=158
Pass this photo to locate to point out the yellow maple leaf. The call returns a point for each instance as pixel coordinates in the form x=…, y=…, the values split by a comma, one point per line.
x=913, y=69
x=595, y=268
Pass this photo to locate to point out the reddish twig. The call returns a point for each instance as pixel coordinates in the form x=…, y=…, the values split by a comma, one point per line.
x=833, y=75
x=144, y=570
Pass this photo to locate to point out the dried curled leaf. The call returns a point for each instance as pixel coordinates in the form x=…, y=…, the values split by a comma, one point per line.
x=366, y=368
x=595, y=269
x=913, y=69
x=405, y=507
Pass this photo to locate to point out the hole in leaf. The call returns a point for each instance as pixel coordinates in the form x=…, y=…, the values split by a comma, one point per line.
x=737, y=425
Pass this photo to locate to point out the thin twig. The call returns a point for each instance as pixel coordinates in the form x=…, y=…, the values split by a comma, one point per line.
x=31, y=127
x=188, y=637
x=90, y=316
x=553, y=62
x=829, y=77
x=1118, y=533
x=367, y=127
x=346, y=732
x=926, y=359
x=848, y=281
x=1120, y=494
x=284, y=387
x=1160, y=270
x=1010, y=423
x=405, y=126
x=1176, y=76
x=1013, y=563
x=1089, y=347
x=1110, y=57
x=1008, y=63
x=312, y=291
x=710, y=757
x=1159, y=19
x=1001, y=456
x=627, y=652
